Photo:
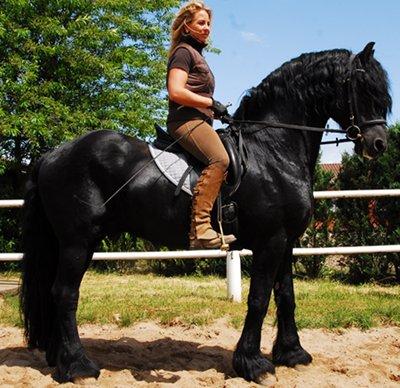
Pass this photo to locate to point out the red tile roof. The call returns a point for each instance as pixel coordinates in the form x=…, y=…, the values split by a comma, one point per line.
x=334, y=168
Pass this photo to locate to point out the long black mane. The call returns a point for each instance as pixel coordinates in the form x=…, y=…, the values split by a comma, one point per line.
x=316, y=80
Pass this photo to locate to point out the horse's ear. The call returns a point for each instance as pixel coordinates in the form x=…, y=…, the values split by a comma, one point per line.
x=367, y=53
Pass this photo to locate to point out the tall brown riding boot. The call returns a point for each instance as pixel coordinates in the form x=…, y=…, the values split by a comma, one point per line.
x=202, y=235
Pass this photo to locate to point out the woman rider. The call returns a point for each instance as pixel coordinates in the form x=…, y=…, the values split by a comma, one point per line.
x=190, y=85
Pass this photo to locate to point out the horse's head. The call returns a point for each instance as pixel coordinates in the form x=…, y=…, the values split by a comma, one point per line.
x=350, y=88
x=366, y=103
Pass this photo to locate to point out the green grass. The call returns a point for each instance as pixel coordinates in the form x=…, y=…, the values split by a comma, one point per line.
x=334, y=305
x=124, y=300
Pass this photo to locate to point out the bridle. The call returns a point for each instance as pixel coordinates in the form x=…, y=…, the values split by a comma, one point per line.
x=353, y=132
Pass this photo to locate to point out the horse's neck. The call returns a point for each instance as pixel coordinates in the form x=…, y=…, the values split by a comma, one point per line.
x=310, y=106
x=286, y=112
x=293, y=145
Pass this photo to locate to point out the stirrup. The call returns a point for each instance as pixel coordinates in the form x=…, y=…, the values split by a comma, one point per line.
x=226, y=240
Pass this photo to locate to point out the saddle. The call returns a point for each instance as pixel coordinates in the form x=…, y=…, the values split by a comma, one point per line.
x=183, y=170
x=233, y=143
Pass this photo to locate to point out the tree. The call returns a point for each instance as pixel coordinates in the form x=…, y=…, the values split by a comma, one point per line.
x=71, y=66
x=374, y=222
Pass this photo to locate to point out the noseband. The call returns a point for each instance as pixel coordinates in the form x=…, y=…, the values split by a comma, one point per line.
x=353, y=131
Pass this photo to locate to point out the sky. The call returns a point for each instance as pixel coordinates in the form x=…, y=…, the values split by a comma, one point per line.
x=257, y=36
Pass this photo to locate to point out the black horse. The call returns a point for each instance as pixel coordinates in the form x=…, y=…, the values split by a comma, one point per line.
x=65, y=220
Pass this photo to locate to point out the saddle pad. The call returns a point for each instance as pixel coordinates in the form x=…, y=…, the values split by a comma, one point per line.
x=172, y=166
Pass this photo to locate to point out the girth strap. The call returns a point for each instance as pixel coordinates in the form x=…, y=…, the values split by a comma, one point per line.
x=242, y=150
x=182, y=180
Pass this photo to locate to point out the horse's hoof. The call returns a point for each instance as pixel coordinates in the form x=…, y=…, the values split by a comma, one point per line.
x=252, y=367
x=84, y=380
x=267, y=380
x=291, y=358
x=301, y=368
x=78, y=367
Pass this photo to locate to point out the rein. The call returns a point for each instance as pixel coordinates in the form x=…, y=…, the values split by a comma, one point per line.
x=352, y=132
x=282, y=125
x=265, y=124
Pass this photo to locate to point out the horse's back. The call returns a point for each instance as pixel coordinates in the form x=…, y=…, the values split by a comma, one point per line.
x=97, y=146
x=80, y=175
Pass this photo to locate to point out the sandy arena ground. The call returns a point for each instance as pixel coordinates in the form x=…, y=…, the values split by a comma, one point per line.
x=154, y=356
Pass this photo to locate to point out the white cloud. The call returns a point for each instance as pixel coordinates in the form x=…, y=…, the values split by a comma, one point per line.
x=250, y=37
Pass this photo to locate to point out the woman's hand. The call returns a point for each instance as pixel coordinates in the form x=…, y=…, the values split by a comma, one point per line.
x=219, y=109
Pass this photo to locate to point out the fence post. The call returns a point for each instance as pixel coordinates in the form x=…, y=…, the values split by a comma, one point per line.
x=233, y=276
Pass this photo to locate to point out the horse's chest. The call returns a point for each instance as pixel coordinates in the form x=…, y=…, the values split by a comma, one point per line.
x=273, y=203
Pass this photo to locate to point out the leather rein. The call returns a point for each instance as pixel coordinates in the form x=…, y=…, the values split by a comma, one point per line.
x=352, y=132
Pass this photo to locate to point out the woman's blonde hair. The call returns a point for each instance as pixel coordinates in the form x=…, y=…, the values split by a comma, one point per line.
x=184, y=16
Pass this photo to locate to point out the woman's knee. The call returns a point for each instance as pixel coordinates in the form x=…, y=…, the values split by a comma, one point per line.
x=222, y=162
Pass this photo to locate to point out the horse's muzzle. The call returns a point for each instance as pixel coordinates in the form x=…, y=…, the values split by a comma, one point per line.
x=373, y=142
x=380, y=146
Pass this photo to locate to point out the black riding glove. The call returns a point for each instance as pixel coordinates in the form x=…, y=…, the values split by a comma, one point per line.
x=220, y=110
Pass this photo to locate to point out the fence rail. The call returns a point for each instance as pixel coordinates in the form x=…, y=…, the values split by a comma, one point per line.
x=356, y=194
x=209, y=254
x=12, y=203
x=218, y=254
x=233, y=268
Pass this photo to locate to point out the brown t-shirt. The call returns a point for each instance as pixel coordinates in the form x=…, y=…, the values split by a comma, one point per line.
x=187, y=56
x=181, y=59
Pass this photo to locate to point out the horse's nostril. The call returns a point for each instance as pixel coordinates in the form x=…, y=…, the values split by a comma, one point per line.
x=379, y=145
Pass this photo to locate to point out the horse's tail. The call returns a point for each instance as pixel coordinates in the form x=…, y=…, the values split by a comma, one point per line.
x=39, y=268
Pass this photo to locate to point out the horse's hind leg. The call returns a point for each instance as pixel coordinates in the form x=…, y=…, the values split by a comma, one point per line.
x=66, y=350
x=287, y=349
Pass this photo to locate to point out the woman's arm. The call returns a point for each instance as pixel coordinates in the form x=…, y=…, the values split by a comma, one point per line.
x=177, y=92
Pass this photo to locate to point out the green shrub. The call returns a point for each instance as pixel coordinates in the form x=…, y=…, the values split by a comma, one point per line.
x=374, y=221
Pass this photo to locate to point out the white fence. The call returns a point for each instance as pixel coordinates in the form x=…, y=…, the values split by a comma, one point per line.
x=233, y=270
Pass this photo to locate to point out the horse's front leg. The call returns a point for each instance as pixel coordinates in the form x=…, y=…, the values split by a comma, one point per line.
x=66, y=350
x=287, y=349
x=248, y=361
